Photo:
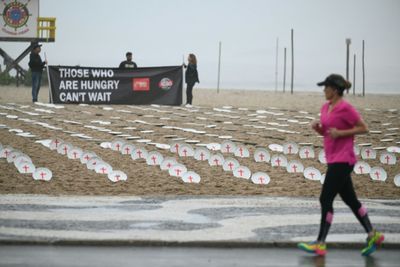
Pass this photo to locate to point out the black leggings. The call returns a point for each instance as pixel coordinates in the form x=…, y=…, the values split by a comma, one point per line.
x=338, y=181
x=189, y=95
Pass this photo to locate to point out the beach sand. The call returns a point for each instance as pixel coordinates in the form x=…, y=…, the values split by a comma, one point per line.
x=73, y=178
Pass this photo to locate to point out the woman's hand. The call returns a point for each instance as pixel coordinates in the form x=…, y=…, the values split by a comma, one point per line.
x=316, y=126
x=334, y=133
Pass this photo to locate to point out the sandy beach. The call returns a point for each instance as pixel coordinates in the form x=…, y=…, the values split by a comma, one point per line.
x=233, y=113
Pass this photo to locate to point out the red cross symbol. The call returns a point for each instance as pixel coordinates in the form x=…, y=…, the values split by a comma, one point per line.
x=57, y=142
x=241, y=172
x=278, y=161
x=103, y=170
x=65, y=150
x=127, y=150
x=87, y=157
x=154, y=159
x=118, y=146
x=184, y=152
x=261, y=156
x=290, y=149
x=178, y=171
x=368, y=152
x=294, y=167
x=7, y=152
x=377, y=175
x=75, y=154
x=43, y=175
x=190, y=179
x=169, y=165
x=387, y=159
x=26, y=168
x=230, y=164
x=312, y=175
x=177, y=147
x=241, y=151
x=228, y=147
x=139, y=153
x=307, y=152
x=216, y=161
x=261, y=180
x=202, y=156
x=361, y=169
x=117, y=177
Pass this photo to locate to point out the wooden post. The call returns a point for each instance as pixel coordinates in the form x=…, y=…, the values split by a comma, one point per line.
x=292, y=78
x=276, y=65
x=284, y=69
x=219, y=67
x=363, y=68
x=354, y=75
x=348, y=42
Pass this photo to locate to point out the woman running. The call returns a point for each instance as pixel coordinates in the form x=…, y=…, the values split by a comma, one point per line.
x=339, y=123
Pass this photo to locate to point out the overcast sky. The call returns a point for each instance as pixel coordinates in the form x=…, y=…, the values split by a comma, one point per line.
x=159, y=33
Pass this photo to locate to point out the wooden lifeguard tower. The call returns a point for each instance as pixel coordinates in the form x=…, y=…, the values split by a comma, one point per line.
x=20, y=22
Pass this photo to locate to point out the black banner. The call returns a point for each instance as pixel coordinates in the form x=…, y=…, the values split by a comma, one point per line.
x=142, y=86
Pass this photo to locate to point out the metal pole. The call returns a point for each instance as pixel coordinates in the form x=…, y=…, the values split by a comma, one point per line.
x=354, y=75
x=363, y=69
x=291, y=83
x=284, y=69
x=219, y=66
x=276, y=65
x=348, y=42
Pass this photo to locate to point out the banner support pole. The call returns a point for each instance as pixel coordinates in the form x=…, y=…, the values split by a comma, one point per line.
x=48, y=79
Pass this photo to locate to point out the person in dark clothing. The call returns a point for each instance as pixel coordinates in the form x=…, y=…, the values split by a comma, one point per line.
x=191, y=77
x=36, y=65
x=128, y=63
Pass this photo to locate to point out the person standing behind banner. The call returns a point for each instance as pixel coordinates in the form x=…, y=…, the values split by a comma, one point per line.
x=191, y=77
x=36, y=65
x=128, y=63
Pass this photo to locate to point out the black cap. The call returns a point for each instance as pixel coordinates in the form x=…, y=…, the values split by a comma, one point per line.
x=36, y=46
x=336, y=81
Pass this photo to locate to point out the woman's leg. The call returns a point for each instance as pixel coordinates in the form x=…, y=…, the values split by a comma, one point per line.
x=189, y=94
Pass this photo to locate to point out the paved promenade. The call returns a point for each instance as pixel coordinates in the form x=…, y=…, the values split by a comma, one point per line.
x=186, y=221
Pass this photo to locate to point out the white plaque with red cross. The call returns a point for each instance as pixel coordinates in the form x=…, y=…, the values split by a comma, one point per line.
x=55, y=143
x=154, y=158
x=260, y=178
x=278, y=161
x=117, y=145
x=5, y=151
x=106, y=145
x=242, y=151
x=275, y=147
x=230, y=164
x=185, y=150
x=202, y=153
x=191, y=177
x=214, y=146
x=127, y=149
x=42, y=174
x=64, y=148
x=92, y=162
x=13, y=155
x=228, y=147
x=26, y=167
x=262, y=155
x=103, y=168
x=139, y=153
x=368, y=153
x=167, y=163
x=177, y=170
x=75, y=153
x=397, y=180
x=294, y=166
x=322, y=157
x=86, y=155
x=393, y=149
x=306, y=152
x=387, y=158
x=290, y=148
x=362, y=167
x=216, y=160
x=20, y=159
x=312, y=173
x=117, y=176
x=174, y=146
x=378, y=174
x=242, y=172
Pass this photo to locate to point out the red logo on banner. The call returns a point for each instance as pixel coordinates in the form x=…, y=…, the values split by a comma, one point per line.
x=141, y=84
x=165, y=83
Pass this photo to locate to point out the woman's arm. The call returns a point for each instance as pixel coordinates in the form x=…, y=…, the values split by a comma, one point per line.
x=359, y=128
x=316, y=126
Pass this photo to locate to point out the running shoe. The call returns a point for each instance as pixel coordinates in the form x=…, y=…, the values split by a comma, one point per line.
x=313, y=247
x=373, y=243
